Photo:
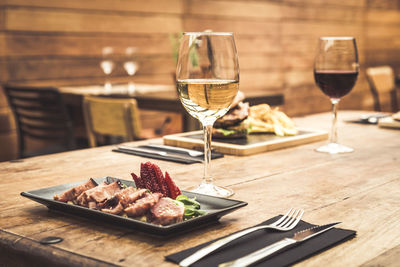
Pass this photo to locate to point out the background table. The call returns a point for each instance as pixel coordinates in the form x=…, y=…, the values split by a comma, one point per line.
x=360, y=189
x=155, y=97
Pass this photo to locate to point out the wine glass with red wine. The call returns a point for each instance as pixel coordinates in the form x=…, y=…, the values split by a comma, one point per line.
x=335, y=72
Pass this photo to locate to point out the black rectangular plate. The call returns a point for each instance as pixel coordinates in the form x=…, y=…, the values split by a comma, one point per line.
x=216, y=208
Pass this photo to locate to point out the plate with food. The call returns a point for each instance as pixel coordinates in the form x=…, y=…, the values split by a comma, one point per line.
x=246, y=130
x=151, y=202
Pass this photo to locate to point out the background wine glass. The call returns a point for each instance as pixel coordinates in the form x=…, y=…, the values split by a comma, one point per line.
x=107, y=65
x=131, y=66
x=207, y=82
x=335, y=72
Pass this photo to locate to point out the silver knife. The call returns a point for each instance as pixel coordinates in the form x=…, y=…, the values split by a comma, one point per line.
x=277, y=246
x=159, y=153
x=191, y=152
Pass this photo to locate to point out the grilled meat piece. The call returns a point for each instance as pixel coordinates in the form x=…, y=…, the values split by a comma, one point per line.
x=118, y=209
x=166, y=212
x=129, y=195
x=73, y=193
x=142, y=205
x=98, y=194
x=122, y=198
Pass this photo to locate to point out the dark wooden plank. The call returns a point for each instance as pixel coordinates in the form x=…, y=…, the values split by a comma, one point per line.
x=38, y=68
x=24, y=19
x=330, y=3
x=242, y=27
x=149, y=6
x=239, y=9
x=333, y=13
x=69, y=45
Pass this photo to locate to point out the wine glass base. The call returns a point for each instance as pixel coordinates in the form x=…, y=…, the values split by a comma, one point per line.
x=212, y=190
x=334, y=148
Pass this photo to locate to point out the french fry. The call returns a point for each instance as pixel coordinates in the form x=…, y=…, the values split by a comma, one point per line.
x=264, y=119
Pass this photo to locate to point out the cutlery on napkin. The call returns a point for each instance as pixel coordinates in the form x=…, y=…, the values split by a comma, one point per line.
x=286, y=242
x=163, y=152
x=370, y=118
x=153, y=153
x=258, y=240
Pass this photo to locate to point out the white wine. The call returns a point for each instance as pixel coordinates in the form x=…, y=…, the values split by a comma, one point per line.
x=207, y=99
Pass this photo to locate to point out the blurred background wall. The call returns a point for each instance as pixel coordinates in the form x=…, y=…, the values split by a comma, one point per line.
x=55, y=42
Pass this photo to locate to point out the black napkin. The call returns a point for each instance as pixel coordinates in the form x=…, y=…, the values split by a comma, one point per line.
x=263, y=238
x=180, y=158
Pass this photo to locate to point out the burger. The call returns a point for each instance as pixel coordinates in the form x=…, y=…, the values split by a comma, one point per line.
x=232, y=124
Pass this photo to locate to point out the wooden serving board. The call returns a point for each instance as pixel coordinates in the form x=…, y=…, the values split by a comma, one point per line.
x=254, y=143
x=389, y=122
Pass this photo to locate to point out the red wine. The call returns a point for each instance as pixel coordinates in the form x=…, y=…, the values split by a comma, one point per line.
x=335, y=83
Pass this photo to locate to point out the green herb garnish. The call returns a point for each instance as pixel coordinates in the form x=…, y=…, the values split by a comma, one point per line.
x=192, y=207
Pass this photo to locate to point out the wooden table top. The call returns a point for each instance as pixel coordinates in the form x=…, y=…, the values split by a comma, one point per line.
x=140, y=89
x=360, y=189
x=161, y=97
x=136, y=90
x=158, y=98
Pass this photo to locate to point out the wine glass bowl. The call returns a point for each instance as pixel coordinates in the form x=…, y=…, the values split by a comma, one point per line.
x=107, y=64
x=335, y=71
x=131, y=66
x=207, y=100
x=207, y=77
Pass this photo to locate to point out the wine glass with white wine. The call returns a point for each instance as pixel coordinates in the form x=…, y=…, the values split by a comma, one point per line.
x=207, y=77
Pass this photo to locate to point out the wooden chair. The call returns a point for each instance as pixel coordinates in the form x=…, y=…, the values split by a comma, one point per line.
x=382, y=84
x=105, y=116
x=40, y=114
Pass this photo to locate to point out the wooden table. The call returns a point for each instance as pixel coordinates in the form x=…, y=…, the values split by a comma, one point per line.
x=155, y=97
x=360, y=189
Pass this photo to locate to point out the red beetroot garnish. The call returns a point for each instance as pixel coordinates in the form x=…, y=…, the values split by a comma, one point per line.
x=145, y=176
x=154, y=182
x=138, y=181
x=173, y=189
x=152, y=178
x=160, y=180
x=148, y=176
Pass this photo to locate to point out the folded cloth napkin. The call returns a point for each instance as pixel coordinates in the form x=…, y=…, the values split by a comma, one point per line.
x=263, y=238
x=171, y=157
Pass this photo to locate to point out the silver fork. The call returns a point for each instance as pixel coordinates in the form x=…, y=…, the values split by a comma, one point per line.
x=285, y=223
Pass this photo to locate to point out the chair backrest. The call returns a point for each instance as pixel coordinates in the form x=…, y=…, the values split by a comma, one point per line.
x=40, y=114
x=111, y=117
x=382, y=82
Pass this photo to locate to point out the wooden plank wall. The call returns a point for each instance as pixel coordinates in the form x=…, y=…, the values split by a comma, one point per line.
x=60, y=42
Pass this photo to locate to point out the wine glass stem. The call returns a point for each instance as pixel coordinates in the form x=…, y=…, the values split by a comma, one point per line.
x=207, y=131
x=333, y=137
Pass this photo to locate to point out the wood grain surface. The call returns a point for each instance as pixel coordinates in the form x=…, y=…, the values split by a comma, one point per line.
x=254, y=143
x=360, y=189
